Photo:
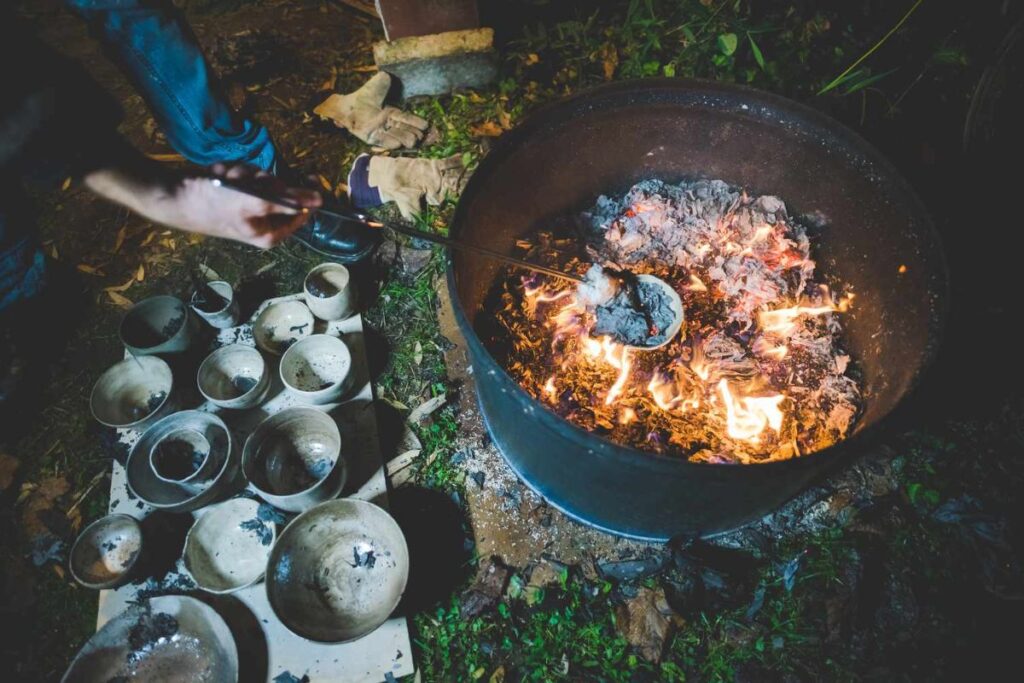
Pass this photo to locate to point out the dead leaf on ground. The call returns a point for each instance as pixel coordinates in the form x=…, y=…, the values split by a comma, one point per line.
x=166, y=157
x=647, y=622
x=8, y=469
x=120, y=299
x=209, y=273
x=88, y=270
x=417, y=353
x=119, y=240
x=426, y=408
x=326, y=184
x=498, y=676
x=504, y=119
x=122, y=287
x=329, y=83
x=140, y=274
x=66, y=184
x=531, y=59
x=394, y=403
x=42, y=497
x=149, y=238
x=54, y=254
x=609, y=60
x=488, y=129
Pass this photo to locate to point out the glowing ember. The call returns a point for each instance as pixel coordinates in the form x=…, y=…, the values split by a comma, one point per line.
x=757, y=374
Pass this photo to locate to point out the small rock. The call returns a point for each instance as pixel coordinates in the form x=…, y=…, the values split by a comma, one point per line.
x=414, y=260
x=647, y=622
x=387, y=253
x=631, y=570
x=487, y=590
x=544, y=574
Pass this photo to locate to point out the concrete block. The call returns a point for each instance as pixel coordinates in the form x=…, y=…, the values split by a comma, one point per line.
x=439, y=63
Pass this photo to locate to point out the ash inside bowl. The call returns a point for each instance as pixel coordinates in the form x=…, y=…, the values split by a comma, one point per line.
x=321, y=288
x=243, y=385
x=636, y=319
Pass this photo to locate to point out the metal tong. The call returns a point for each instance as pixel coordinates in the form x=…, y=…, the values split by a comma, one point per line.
x=334, y=210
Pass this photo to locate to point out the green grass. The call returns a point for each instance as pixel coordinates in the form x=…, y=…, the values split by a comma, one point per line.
x=566, y=632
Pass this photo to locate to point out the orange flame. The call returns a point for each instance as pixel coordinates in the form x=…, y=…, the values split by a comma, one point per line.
x=748, y=416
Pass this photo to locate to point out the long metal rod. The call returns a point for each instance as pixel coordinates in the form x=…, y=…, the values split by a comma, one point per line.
x=357, y=217
x=483, y=251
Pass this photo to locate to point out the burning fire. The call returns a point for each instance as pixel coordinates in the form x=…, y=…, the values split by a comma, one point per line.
x=755, y=376
x=747, y=417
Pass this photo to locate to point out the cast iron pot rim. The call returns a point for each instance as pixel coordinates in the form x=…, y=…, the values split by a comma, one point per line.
x=716, y=95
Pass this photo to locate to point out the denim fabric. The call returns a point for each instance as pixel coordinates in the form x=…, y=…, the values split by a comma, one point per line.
x=155, y=46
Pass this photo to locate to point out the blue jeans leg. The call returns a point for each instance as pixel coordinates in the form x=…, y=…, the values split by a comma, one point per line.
x=154, y=44
x=22, y=268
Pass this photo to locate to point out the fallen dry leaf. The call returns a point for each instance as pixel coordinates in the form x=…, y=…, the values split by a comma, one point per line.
x=531, y=59
x=326, y=184
x=609, y=60
x=166, y=157
x=329, y=83
x=397, y=405
x=210, y=274
x=119, y=240
x=488, y=129
x=54, y=254
x=426, y=408
x=121, y=288
x=120, y=299
x=42, y=497
x=66, y=184
x=504, y=119
x=417, y=353
x=8, y=468
x=647, y=622
x=88, y=270
x=140, y=274
x=149, y=238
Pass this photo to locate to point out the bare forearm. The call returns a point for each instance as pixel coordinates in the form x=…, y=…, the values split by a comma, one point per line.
x=139, y=192
x=195, y=204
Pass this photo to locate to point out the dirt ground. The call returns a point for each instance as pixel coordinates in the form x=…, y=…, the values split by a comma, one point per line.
x=907, y=566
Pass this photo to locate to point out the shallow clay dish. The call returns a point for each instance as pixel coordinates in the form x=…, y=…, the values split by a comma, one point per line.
x=338, y=571
x=228, y=546
x=106, y=551
x=172, y=639
x=281, y=324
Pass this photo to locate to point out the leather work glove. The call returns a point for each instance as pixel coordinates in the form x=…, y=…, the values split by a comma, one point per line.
x=407, y=181
x=364, y=115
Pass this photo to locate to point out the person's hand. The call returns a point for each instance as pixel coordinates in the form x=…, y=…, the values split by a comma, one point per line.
x=408, y=181
x=198, y=205
x=364, y=115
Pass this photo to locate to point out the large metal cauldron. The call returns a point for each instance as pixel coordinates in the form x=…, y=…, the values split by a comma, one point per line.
x=874, y=238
